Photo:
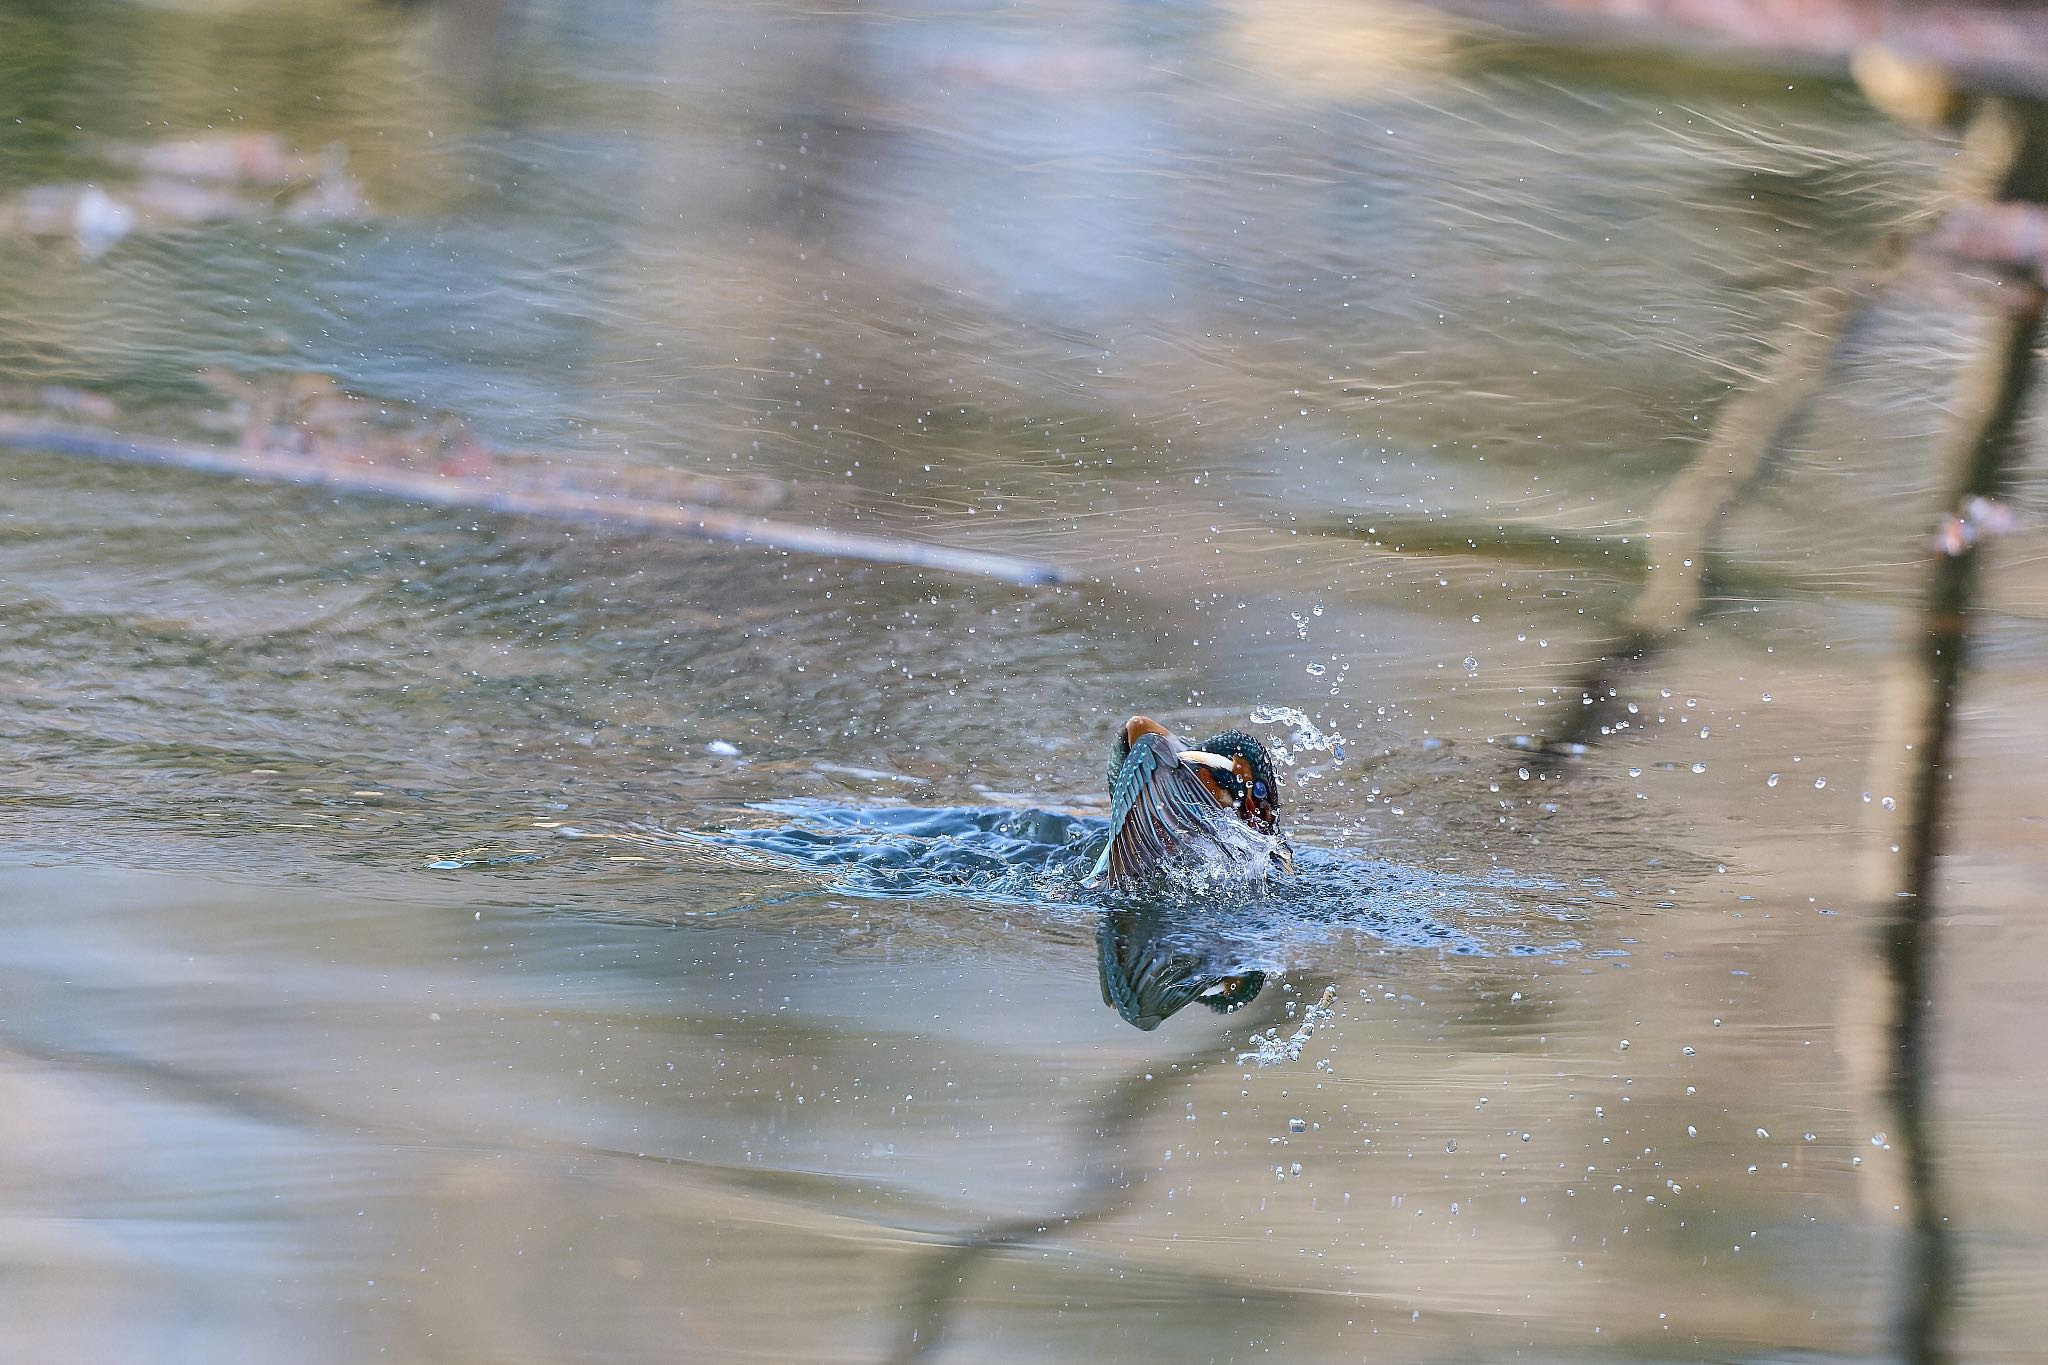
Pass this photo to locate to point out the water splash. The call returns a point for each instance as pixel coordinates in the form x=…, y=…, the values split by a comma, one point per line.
x=1302, y=733
x=1236, y=862
x=1039, y=858
x=1270, y=1047
x=991, y=853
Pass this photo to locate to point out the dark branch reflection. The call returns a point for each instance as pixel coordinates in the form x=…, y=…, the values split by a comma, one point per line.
x=1914, y=757
x=1104, y=1188
x=2006, y=166
x=2002, y=163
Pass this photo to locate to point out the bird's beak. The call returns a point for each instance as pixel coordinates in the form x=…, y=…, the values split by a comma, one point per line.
x=1206, y=759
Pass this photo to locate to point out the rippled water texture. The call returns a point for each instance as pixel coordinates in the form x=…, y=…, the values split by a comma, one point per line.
x=434, y=935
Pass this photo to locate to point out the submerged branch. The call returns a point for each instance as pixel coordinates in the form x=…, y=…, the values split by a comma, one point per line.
x=2005, y=163
x=557, y=503
x=1674, y=545
x=1915, y=737
x=1748, y=430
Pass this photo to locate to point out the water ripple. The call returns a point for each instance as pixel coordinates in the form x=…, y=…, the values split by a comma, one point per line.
x=1039, y=858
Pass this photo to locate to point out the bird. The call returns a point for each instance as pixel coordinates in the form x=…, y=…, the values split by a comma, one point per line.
x=1169, y=798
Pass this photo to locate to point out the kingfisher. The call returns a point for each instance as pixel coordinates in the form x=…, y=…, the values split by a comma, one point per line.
x=1168, y=798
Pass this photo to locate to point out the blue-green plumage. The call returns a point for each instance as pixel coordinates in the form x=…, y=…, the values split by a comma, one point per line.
x=1167, y=798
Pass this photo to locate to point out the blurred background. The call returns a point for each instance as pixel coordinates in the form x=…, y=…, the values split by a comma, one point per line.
x=1597, y=445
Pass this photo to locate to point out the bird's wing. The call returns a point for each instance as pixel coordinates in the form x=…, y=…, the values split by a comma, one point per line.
x=1157, y=802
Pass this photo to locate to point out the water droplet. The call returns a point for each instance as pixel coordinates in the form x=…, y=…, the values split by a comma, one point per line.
x=1889, y=804
x=1819, y=782
x=1771, y=781
x=1691, y=1131
x=1316, y=670
x=1699, y=767
x=1471, y=664
x=1635, y=772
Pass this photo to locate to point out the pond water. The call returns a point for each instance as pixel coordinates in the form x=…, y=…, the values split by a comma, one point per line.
x=434, y=935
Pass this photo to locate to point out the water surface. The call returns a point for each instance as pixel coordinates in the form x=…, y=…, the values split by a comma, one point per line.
x=454, y=937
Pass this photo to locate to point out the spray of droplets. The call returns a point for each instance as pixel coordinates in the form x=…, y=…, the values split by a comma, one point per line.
x=1268, y=1048
x=1302, y=733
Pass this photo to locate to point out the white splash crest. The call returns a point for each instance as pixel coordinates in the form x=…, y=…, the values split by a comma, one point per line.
x=1302, y=733
x=1269, y=1048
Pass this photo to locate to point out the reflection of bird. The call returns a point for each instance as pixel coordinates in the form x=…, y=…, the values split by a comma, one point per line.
x=1153, y=964
x=1220, y=800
